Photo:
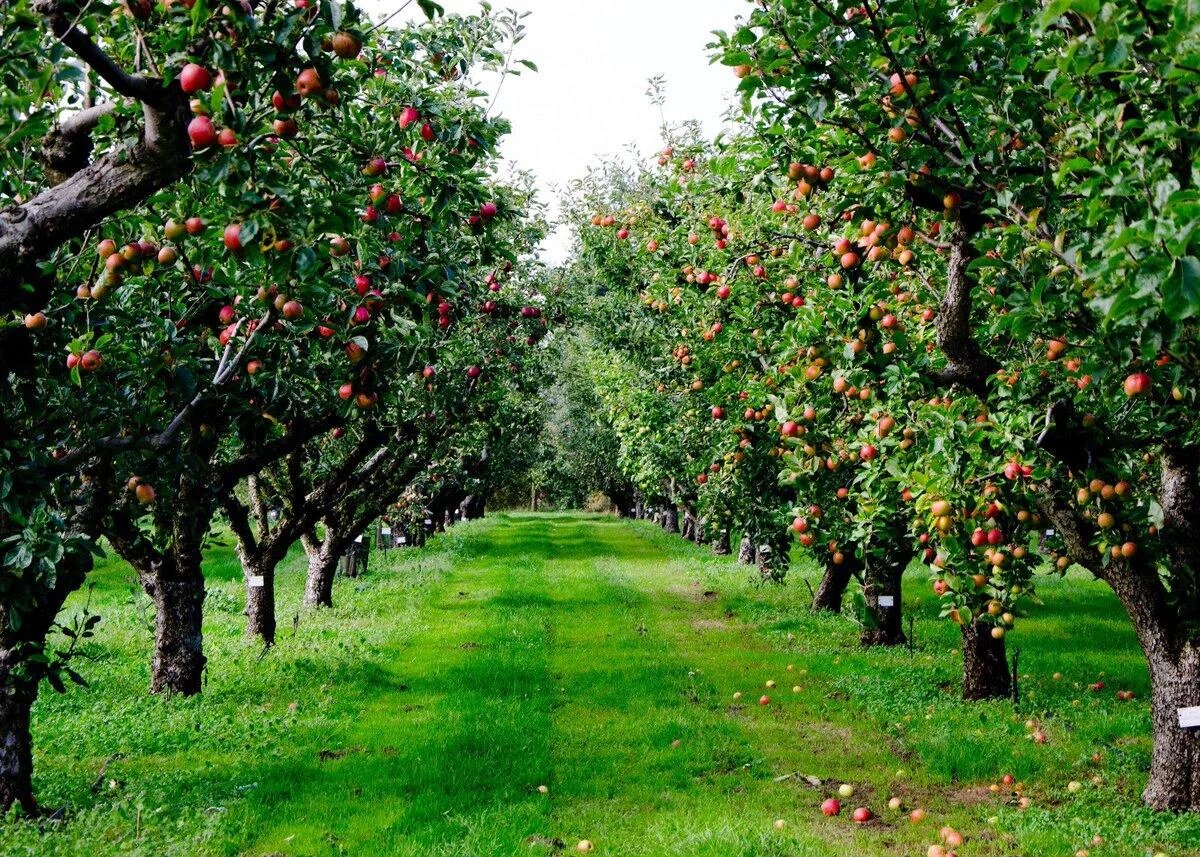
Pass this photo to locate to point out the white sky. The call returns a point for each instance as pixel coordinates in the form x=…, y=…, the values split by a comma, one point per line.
x=594, y=60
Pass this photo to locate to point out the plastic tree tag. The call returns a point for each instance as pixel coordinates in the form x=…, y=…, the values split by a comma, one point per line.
x=358, y=540
x=386, y=531
x=1189, y=718
x=256, y=580
x=887, y=601
x=404, y=540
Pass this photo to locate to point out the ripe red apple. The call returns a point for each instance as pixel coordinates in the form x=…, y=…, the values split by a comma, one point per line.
x=308, y=83
x=233, y=237
x=764, y=700
x=284, y=103
x=488, y=210
x=427, y=133
x=474, y=372
x=861, y=815
x=1137, y=383
x=292, y=310
x=144, y=493
x=194, y=78
x=90, y=360
x=408, y=116
x=201, y=132
x=35, y=321
x=723, y=292
x=194, y=225
x=867, y=452
x=940, y=587
x=831, y=806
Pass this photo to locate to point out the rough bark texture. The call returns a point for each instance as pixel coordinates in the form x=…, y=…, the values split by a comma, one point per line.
x=688, y=531
x=965, y=363
x=985, y=665
x=885, y=580
x=746, y=551
x=16, y=744
x=670, y=519
x=178, y=663
x=322, y=566
x=833, y=584
x=720, y=543
x=260, y=602
x=1174, y=782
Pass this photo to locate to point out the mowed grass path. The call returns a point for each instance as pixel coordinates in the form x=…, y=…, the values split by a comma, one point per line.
x=598, y=658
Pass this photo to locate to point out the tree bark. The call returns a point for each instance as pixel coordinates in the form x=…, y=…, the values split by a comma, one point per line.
x=985, y=664
x=16, y=743
x=671, y=518
x=322, y=566
x=1174, y=782
x=720, y=543
x=260, y=601
x=178, y=663
x=746, y=551
x=688, y=531
x=833, y=584
x=885, y=582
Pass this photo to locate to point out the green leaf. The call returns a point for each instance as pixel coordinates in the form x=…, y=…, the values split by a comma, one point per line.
x=1181, y=291
x=431, y=9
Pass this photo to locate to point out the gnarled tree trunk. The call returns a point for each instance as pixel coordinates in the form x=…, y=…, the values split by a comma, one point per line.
x=747, y=553
x=720, y=543
x=985, y=664
x=833, y=584
x=178, y=662
x=670, y=518
x=322, y=566
x=16, y=742
x=260, y=601
x=882, y=591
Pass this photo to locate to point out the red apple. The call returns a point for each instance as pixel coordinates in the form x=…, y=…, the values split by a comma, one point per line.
x=194, y=78
x=201, y=132
x=1137, y=383
x=233, y=237
x=831, y=806
x=861, y=815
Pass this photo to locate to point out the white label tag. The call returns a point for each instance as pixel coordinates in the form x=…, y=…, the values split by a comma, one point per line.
x=256, y=580
x=428, y=521
x=358, y=540
x=1189, y=718
x=404, y=540
x=385, y=531
x=887, y=601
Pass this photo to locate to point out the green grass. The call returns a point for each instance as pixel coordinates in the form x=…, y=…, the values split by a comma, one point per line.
x=598, y=658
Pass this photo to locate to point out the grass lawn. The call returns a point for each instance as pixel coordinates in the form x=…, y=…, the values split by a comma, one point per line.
x=598, y=658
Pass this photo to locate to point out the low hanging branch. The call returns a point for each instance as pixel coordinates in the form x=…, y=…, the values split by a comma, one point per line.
x=87, y=193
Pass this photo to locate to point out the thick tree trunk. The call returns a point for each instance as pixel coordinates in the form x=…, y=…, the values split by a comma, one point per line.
x=985, y=664
x=746, y=551
x=720, y=543
x=698, y=531
x=688, y=531
x=1174, y=782
x=833, y=584
x=322, y=566
x=671, y=519
x=16, y=743
x=882, y=591
x=178, y=663
x=260, y=602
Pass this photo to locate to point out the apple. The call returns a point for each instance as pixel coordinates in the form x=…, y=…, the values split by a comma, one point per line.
x=338, y=246
x=764, y=700
x=144, y=493
x=408, y=116
x=584, y=845
x=393, y=204
x=723, y=292
x=861, y=815
x=292, y=310
x=427, y=132
x=717, y=412
x=201, y=132
x=940, y=587
x=90, y=360
x=194, y=78
x=283, y=103
x=35, y=321
x=253, y=367
x=308, y=83
x=894, y=803
x=346, y=45
x=474, y=372
x=831, y=806
x=917, y=816
x=488, y=210
x=233, y=237
x=846, y=790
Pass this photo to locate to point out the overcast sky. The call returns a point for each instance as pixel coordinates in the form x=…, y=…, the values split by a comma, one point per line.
x=588, y=98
